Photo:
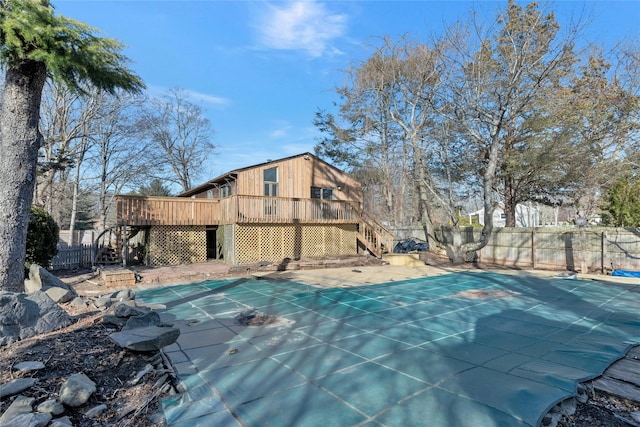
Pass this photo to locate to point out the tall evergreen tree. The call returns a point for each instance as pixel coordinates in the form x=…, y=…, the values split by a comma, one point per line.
x=622, y=203
x=35, y=43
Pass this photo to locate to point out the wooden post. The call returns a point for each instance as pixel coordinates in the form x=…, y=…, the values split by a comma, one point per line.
x=125, y=243
x=584, y=269
x=605, y=252
x=533, y=248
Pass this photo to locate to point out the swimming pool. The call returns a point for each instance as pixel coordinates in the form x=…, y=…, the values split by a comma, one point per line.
x=470, y=348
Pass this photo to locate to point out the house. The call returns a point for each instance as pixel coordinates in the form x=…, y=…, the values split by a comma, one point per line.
x=526, y=216
x=299, y=206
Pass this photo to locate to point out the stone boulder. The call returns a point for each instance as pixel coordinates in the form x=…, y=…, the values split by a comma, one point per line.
x=125, y=295
x=41, y=279
x=19, y=413
x=26, y=315
x=59, y=295
x=61, y=422
x=77, y=390
x=30, y=419
x=129, y=309
x=16, y=386
x=150, y=338
x=151, y=318
x=21, y=405
x=51, y=406
x=102, y=303
x=29, y=365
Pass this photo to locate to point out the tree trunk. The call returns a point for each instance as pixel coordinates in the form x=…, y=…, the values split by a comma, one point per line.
x=423, y=194
x=488, y=200
x=454, y=250
x=76, y=186
x=74, y=207
x=509, y=203
x=19, y=146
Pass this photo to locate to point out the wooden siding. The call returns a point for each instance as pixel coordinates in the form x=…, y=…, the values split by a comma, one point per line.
x=296, y=176
x=325, y=176
x=147, y=211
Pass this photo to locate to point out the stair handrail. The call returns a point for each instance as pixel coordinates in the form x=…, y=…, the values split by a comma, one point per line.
x=96, y=241
x=381, y=233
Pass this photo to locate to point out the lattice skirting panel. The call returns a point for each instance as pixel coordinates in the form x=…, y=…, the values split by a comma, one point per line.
x=273, y=242
x=181, y=244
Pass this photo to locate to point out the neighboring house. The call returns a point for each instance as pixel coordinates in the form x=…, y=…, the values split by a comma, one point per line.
x=295, y=207
x=526, y=216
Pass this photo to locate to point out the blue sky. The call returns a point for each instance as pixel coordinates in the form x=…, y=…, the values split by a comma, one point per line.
x=261, y=69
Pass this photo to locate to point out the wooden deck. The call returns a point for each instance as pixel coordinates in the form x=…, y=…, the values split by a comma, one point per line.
x=146, y=211
x=137, y=211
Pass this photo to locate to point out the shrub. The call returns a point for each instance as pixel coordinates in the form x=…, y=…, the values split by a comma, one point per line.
x=622, y=204
x=42, y=238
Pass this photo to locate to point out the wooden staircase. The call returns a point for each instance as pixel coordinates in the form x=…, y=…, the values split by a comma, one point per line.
x=374, y=236
x=109, y=252
x=108, y=256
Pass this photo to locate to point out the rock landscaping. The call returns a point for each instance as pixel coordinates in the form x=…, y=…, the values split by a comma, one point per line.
x=80, y=361
x=68, y=364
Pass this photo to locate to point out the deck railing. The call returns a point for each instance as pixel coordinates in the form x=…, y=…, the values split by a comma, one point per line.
x=143, y=211
x=378, y=239
x=138, y=210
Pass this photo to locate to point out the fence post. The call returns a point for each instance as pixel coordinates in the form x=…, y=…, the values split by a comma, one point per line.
x=125, y=243
x=605, y=252
x=533, y=248
x=582, y=232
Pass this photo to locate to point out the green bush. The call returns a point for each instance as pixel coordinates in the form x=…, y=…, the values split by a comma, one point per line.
x=622, y=203
x=42, y=238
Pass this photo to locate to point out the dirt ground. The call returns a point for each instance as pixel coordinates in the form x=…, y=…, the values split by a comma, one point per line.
x=85, y=347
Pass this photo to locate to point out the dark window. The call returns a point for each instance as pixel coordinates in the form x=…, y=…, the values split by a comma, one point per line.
x=271, y=182
x=322, y=193
x=271, y=175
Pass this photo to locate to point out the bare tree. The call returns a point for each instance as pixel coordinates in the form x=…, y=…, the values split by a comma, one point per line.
x=501, y=77
x=116, y=158
x=179, y=137
x=63, y=123
x=502, y=113
x=92, y=125
x=387, y=108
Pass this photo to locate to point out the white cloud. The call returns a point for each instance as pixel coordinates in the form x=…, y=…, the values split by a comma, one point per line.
x=158, y=91
x=302, y=25
x=207, y=99
x=281, y=131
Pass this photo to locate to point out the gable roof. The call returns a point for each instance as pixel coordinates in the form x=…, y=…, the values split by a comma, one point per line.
x=232, y=175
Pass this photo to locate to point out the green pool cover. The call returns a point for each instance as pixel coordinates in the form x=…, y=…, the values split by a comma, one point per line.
x=464, y=349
